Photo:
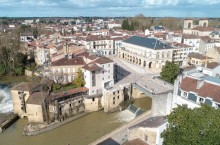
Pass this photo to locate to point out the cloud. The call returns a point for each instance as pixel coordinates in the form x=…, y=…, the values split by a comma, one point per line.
x=184, y=8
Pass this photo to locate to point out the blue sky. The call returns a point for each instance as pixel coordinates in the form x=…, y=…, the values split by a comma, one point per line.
x=71, y=8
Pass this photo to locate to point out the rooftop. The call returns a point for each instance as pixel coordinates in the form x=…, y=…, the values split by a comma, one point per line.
x=69, y=61
x=210, y=88
x=55, y=96
x=198, y=56
x=152, y=122
x=37, y=98
x=151, y=43
x=92, y=67
x=25, y=86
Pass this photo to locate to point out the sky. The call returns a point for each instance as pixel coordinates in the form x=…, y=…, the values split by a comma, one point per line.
x=109, y=8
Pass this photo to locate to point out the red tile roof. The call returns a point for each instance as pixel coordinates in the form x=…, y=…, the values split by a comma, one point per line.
x=198, y=56
x=103, y=60
x=69, y=61
x=204, y=29
x=207, y=89
x=68, y=92
x=92, y=67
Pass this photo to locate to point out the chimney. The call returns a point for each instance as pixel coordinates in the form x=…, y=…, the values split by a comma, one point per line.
x=200, y=83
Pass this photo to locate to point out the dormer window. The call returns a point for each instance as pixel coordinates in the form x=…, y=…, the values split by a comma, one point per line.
x=185, y=94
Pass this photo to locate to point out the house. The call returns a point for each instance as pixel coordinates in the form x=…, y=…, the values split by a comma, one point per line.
x=211, y=69
x=103, y=45
x=155, y=29
x=23, y=94
x=26, y=37
x=180, y=55
x=148, y=131
x=191, y=40
x=146, y=52
x=198, y=59
x=214, y=53
x=195, y=88
x=64, y=70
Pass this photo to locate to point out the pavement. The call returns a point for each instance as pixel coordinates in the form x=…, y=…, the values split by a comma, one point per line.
x=142, y=76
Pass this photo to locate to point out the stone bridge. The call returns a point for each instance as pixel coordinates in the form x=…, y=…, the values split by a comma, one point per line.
x=161, y=103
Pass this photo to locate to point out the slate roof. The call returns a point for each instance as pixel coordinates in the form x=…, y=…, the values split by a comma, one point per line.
x=136, y=141
x=25, y=86
x=151, y=43
x=109, y=141
x=152, y=122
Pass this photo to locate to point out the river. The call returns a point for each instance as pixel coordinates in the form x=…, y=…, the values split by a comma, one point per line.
x=79, y=132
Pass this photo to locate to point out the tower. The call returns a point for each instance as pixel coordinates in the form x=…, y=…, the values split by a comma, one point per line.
x=188, y=24
x=204, y=22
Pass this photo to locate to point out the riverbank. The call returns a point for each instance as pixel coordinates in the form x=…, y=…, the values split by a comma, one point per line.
x=13, y=80
x=35, y=129
x=6, y=120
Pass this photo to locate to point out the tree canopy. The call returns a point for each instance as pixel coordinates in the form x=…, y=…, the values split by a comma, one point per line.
x=199, y=126
x=79, y=80
x=170, y=71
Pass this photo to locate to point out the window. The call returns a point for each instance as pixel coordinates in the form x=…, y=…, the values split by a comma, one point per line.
x=103, y=72
x=118, y=92
x=79, y=102
x=113, y=102
x=118, y=97
x=185, y=94
x=108, y=65
x=93, y=99
x=201, y=100
x=70, y=105
x=113, y=98
x=113, y=93
x=103, y=79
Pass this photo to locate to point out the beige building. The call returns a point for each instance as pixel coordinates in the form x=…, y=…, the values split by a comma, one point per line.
x=198, y=59
x=149, y=53
x=214, y=53
x=64, y=70
x=36, y=107
x=20, y=94
x=148, y=131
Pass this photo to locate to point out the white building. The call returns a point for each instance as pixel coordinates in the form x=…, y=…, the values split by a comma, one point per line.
x=98, y=74
x=99, y=44
x=146, y=52
x=195, y=88
x=192, y=40
x=26, y=37
x=114, y=25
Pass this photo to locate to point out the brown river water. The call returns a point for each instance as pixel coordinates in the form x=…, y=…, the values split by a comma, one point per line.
x=79, y=132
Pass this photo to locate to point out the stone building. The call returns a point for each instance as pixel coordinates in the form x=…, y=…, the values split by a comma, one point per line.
x=65, y=104
x=149, y=53
x=148, y=130
x=21, y=94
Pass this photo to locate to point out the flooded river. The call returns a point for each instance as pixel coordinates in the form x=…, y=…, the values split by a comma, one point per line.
x=79, y=132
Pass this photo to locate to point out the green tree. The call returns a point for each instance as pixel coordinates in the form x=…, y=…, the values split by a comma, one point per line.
x=199, y=126
x=19, y=70
x=170, y=72
x=79, y=80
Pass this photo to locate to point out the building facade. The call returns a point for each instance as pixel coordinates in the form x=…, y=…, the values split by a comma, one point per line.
x=146, y=52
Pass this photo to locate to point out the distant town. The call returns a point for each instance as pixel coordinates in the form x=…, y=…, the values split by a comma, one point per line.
x=158, y=78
